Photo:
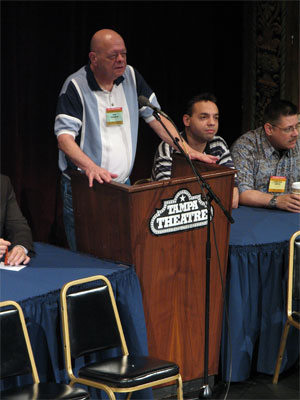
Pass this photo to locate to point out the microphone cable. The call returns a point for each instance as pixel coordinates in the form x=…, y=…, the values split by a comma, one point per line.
x=204, y=195
x=226, y=311
x=219, y=267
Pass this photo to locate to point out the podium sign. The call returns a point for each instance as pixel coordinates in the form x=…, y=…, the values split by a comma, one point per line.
x=160, y=227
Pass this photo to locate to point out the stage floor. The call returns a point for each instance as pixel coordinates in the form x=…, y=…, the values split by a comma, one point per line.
x=258, y=386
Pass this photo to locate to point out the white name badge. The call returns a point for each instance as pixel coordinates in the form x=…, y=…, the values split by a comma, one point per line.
x=114, y=116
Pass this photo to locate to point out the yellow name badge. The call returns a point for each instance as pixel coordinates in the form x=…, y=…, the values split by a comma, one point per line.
x=114, y=116
x=277, y=184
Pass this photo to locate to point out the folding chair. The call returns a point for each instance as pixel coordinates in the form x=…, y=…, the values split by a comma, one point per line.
x=293, y=293
x=91, y=323
x=17, y=359
x=141, y=181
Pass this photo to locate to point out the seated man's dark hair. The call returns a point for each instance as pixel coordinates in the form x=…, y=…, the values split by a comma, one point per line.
x=199, y=97
x=277, y=108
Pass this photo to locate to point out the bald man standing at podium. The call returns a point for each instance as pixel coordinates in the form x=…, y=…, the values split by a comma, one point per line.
x=97, y=119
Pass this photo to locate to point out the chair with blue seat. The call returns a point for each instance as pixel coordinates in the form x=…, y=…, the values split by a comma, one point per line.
x=17, y=359
x=293, y=297
x=91, y=323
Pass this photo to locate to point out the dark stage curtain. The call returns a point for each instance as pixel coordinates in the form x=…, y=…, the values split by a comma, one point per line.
x=181, y=48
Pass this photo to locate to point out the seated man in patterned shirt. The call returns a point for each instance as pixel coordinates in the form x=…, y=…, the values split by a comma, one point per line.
x=268, y=159
x=201, y=122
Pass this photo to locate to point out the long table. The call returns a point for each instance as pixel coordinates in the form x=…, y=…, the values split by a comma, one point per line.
x=256, y=293
x=37, y=288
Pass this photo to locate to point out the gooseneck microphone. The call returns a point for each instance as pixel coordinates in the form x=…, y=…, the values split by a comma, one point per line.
x=205, y=390
x=144, y=102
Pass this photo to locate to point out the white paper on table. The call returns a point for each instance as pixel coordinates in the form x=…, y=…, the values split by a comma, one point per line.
x=15, y=268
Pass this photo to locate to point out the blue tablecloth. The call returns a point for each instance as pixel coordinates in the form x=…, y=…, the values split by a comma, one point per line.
x=37, y=288
x=256, y=292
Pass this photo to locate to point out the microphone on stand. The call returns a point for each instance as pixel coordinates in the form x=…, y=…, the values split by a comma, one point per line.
x=144, y=102
x=205, y=390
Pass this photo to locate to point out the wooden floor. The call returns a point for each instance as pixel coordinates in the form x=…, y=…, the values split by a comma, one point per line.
x=259, y=386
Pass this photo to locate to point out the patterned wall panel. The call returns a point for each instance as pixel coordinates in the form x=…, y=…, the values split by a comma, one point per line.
x=271, y=47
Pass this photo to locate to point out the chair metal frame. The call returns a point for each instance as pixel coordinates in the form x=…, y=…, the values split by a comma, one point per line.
x=290, y=312
x=110, y=390
x=142, y=181
x=13, y=306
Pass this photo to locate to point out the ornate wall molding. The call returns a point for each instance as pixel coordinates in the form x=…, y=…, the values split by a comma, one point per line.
x=269, y=60
x=271, y=39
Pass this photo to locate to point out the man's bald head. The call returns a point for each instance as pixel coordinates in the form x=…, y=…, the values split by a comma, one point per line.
x=103, y=38
x=107, y=56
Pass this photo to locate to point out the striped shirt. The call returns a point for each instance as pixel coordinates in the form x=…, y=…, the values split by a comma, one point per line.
x=82, y=113
x=256, y=161
x=162, y=165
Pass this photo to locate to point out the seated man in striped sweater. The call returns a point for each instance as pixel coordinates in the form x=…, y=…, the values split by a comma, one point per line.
x=201, y=122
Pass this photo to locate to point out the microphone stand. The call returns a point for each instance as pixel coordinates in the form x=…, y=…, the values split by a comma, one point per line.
x=205, y=390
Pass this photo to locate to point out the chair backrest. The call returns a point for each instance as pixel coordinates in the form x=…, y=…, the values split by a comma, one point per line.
x=141, y=181
x=296, y=266
x=90, y=317
x=294, y=274
x=16, y=352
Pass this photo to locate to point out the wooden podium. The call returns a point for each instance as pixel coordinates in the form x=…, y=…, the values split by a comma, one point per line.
x=154, y=226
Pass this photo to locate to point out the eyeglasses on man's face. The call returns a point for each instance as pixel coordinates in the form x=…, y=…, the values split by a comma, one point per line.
x=289, y=129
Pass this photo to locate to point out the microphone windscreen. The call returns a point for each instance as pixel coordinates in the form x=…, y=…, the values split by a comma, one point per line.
x=143, y=101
